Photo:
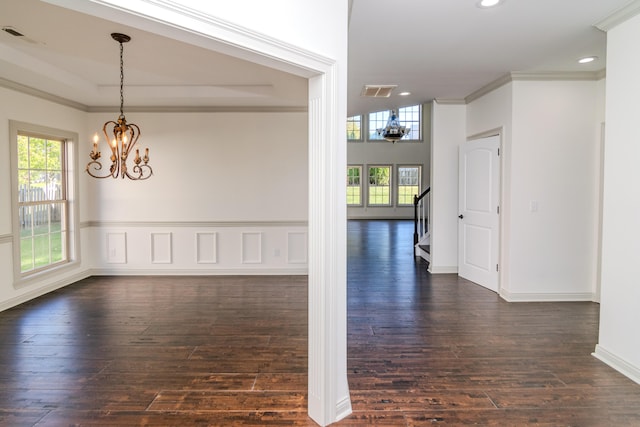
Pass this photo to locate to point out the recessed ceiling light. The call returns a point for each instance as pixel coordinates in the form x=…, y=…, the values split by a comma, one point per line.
x=404, y=94
x=587, y=59
x=489, y=3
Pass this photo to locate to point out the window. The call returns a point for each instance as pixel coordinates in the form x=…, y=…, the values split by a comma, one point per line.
x=41, y=188
x=408, y=116
x=412, y=118
x=380, y=185
x=408, y=184
x=354, y=128
x=354, y=185
x=377, y=121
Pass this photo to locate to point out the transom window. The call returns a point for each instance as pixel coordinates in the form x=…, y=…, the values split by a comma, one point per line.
x=408, y=116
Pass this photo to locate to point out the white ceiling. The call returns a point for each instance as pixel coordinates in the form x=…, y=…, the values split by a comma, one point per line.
x=432, y=48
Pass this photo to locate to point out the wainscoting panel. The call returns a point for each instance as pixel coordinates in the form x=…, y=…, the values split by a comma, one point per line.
x=251, y=248
x=161, y=248
x=297, y=247
x=206, y=248
x=199, y=248
x=117, y=248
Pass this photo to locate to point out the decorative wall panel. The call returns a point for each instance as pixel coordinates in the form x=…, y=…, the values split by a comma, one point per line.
x=161, y=248
x=206, y=248
x=251, y=248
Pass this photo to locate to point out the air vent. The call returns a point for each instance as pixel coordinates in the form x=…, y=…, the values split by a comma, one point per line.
x=12, y=31
x=377, y=91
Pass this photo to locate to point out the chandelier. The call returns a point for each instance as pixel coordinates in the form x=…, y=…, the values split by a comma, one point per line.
x=393, y=131
x=123, y=141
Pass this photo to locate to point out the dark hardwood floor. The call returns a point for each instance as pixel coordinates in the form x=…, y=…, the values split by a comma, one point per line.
x=221, y=351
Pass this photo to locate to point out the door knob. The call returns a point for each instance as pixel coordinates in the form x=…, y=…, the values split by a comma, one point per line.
x=460, y=216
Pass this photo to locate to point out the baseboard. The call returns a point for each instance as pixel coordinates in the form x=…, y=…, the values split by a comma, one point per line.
x=546, y=297
x=443, y=270
x=40, y=291
x=199, y=272
x=343, y=408
x=617, y=363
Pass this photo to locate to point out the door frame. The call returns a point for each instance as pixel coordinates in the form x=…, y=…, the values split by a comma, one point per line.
x=503, y=216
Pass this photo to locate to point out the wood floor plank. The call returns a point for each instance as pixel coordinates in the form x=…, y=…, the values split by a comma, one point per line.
x=422, y=350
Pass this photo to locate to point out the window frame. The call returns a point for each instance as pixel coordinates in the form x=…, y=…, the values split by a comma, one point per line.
x=398, y=185
x=361, y=203
x=390, y=186
x=69, y=199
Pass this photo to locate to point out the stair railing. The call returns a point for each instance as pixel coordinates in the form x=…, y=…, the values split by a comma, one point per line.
x=421, y=215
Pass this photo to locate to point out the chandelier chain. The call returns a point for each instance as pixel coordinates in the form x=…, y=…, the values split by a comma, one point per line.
x=121, y=81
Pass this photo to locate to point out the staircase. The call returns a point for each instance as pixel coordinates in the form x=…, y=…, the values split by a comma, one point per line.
x=421, y=225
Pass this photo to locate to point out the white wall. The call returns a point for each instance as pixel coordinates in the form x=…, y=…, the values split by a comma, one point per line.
x=550, y=185
x=226, y=196
x=210, y=167
x=619, y=342
x=447, y=132
x=554, y=190
x=24, y=108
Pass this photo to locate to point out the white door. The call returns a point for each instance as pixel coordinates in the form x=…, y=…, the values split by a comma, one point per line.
x=478, y=205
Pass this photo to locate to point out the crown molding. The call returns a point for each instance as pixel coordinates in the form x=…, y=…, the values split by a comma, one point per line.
x=619, y=16
x=28, y=90
x=201, y=109
x=499, y=82
x=444, y=101
x=536, y=76
x=554, y=76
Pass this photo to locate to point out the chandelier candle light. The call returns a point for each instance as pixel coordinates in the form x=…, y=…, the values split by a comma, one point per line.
x=125, y=138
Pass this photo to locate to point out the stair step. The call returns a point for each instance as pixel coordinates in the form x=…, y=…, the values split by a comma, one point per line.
x=426, y=248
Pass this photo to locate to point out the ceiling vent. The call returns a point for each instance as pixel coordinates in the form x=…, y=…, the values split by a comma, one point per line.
x=12, y=31
x=377, y=91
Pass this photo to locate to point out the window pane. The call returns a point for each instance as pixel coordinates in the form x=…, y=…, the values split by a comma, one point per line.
x=54, y=186
x=58, y=232
x=377, y=121
x=37, y=153
x=23, y=152
x=411, y=117
x=379, y=185
x=41, y=251
x=26, y=254
x=54, y=155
